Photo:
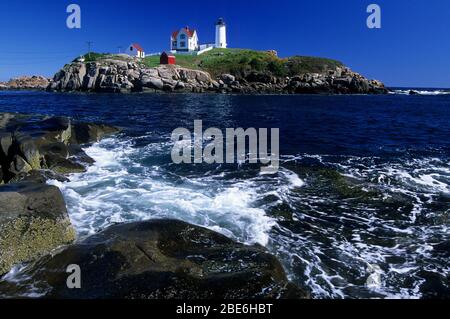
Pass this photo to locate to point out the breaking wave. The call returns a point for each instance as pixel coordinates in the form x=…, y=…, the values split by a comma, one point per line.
x=421, y=92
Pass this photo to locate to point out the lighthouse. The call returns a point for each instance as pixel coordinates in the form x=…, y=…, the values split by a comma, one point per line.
x=221, y=34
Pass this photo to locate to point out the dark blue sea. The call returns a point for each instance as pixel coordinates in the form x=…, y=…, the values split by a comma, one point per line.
x=360, y=207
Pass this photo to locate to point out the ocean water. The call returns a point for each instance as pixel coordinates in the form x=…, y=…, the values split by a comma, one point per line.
x=360, y=207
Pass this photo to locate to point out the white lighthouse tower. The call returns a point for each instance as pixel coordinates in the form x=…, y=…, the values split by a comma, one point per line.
x=221, y=34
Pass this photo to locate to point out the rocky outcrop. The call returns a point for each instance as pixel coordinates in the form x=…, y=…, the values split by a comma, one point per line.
x=111, y=75
x=35, y=144
x=34, y=149
x=163, y=259
x=34, y=82
x=33, y=222
x=340, y=81
x=127, y=76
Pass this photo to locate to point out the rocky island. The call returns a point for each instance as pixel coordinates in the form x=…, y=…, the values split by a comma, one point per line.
x=34, y=82
x=218, y=71
x=141, y=260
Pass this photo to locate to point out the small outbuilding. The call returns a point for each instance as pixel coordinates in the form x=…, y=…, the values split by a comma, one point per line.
x=136, y=50
x=167, y=59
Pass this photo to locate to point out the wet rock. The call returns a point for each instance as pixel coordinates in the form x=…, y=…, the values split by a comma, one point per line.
x=39, y=177
x=5, y=144
x=57, y=159
x=152, y=83
x=57, y=129
x=31, y=143
x=227, y=78
x=83, y=133
x=59, y=149
x=260, y=77
x=65, y=166
x=19, y=166
x=76, y=152
x=33, y=221
x=24, y=146
x=164, y=259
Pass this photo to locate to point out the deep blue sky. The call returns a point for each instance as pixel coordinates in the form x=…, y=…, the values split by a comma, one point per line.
x=411, y=49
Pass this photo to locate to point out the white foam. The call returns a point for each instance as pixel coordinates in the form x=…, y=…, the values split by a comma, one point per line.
x=421, y=92
x=108, y=192
x=294, y=180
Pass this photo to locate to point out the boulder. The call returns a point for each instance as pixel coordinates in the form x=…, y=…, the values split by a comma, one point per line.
x=60, y=149
x=39, y=177
x=63, y=166
x=54, y=130
x=25, y=147
x=203, y=77
x=152, y=83
x=83, y=133
x=5, y=144
x=33, y=222
x=57, y=159
x=227, y=78
x=180, y=86
x=18, y=166
x=5, y=118
x=259, y=77
x=163, y=259
x=77, y=153
x=168, y=72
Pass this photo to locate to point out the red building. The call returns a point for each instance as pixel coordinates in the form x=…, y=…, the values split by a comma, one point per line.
x=167, y=59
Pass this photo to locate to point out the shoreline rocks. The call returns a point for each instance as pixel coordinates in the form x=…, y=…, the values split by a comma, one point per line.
x=35, y=82
x=163, y=259
x=31, y=144
x=121, y=76
x=33, y=149
x=33, y=222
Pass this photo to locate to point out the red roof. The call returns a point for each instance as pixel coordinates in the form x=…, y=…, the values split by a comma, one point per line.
x=189, y=32
x=137, y=47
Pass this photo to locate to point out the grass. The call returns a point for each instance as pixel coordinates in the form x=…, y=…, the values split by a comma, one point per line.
x=240, y=62
x=96, y=57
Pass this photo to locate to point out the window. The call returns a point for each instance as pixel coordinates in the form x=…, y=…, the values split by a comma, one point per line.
x=174, y=44
x=131, y=48
x=182, y=36
x=182, y=44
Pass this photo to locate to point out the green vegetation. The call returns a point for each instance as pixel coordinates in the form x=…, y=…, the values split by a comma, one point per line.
x=95, y=57
x=239, y=62
x=307, y=64
x=242, y=61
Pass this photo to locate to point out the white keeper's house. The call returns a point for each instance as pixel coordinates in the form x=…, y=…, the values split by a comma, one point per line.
x=184, y=40
x=136, y=50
